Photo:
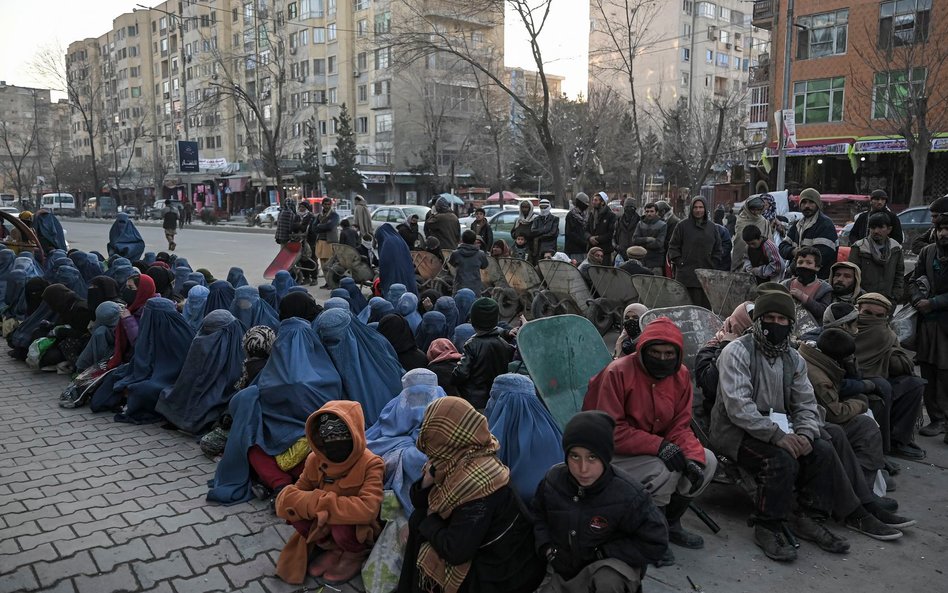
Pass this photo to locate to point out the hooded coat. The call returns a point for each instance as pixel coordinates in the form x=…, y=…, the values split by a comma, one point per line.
x=362, y=220
x=395, y=263
x=444, y=226
x=826, y=376
x=647, y=411
x=330, y=493
x=468, y=261
x=124, y=238
x=695, y=244
x=882, y=273
x=857, y=285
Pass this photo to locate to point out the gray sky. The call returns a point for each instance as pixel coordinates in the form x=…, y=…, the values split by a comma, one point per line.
x=29, y=25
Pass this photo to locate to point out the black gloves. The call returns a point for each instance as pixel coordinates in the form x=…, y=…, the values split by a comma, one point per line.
x=672, y=456
x=695, y=474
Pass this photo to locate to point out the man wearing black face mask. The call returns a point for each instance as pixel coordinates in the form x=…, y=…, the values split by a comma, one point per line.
x=766, y=419
x=649, y=395
x=813, y=294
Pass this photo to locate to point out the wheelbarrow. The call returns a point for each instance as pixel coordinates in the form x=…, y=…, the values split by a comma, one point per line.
x=565, y=290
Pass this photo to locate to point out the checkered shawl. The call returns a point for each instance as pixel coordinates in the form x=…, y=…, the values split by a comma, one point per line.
x=458, y=443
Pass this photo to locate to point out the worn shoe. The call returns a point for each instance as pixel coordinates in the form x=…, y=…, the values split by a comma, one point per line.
x=886, y=503
x=680, y=536
x=890, y=484
x=867, y=524
x=774, y=544
x=345, y=569
x=668, y=559
x=889, y=518
x=324, y=562
x=814, y=530
x=933, y=429
x=909, y=451
x=892, y=467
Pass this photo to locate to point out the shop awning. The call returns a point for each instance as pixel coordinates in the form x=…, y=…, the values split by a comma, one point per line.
x=817, y=147
x=892, y=144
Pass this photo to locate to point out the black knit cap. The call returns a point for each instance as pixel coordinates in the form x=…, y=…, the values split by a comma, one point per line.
x=940, y=205
x=593, y=430
x=484, y=314
x=774, y=302
x=837, y=344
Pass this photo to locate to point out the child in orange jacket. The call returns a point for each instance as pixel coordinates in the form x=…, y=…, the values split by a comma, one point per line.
x=335, y=504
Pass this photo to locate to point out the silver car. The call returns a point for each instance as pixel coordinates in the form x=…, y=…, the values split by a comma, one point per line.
x=395, y=215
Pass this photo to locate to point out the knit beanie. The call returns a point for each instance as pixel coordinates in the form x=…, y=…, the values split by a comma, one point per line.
x=939, y=206
x=837, y=344
x=484, y=314
x=839, y=314
x=593, y=430
x=582, y=197
x=771, y=287
x=812, y=195
x=879, y=193
x=874, y=298
x=774, y=302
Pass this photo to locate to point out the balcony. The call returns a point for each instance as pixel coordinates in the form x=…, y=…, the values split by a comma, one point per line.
x=381, y=101
x=764, y=12
x=457, y=12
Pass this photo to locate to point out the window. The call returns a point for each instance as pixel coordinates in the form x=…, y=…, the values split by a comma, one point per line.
x=331, y=65
x=735, y=62
x=685, y=79
x=723, y=60
x=292, y=11
x=362, y=61
x=311, y=9
x=895, y=90
x=818, y=101
x=708, y=56
x=383, y=58
x=362, y=125
x=760, y=105
x=706, y=9
x=360, y=4
x=724, y=14
x=319, y=67
x=362, y=28
x=322, y=127
x=724, y=36
x=362, y=93
x=686, y=30
x=687, y=6
x=331, y=32
x=319, y=35
x=136, y=91
x=685, y=54
x=383, y=123
x=903, y=22
x=304, y=37
x=822, y=34
x=331, y=96
x=331, y=7
x=383, y=23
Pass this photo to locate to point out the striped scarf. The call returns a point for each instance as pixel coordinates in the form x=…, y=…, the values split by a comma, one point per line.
x=458, y=443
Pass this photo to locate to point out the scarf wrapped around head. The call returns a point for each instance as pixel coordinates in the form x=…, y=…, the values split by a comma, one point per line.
x=735, y=325
x=876, y=343
x=460, y=447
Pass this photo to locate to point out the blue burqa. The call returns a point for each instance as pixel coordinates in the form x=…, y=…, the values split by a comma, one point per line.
x=198, y=278
x=120, y=271
x=49, y=231
x=180, y=262
x=180, y=277
x=448, y=307
x=407, y=307
x=432, y=327
x=7, y=258
x=14, y=299
x=268, y=293
x=336, y=303
x=282, y=282
x=52, y=257
x=124, y=239
x=221, y=296
x=298, y=379
x=297, y=288
x=149, y=257
x=205, y=385
x=342, y=293
x=27, y=264
x=395, y=265
x=356, y=298
x=101, y=343
x=71, y=278
x=379, y=308
x=87, y=264
x=251, y=310
x=465, y=300
x=236, y=278
x=462, y=334
x=163, y=341
x=367, y=363
x=193, y=311
x=530, y=441
x=394, y=435
x=53, y=262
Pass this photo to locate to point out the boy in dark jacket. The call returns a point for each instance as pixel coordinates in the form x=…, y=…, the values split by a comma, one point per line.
x=600, y=226
x=596, y=525
x=484, y=357
x=468, y=261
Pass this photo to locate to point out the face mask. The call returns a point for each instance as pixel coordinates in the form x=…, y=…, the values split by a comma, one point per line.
x=776, y=334
x=128, y=295
x=806, y=275
x=631, y=327
x=337, y=451
x=659, y=368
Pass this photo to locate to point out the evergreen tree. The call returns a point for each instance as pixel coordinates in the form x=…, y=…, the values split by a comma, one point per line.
x=310, y=157
x=344, y=176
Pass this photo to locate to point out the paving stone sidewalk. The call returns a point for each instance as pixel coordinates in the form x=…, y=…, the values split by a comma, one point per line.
x=90, y=505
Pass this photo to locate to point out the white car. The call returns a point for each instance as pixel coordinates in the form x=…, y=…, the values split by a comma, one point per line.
x=395, y=215
x=268, y=216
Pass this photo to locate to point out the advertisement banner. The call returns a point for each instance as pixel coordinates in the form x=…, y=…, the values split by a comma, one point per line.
x=188, y=161
x=789, y=128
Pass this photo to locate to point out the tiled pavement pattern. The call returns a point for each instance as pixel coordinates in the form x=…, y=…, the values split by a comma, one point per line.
x=89, y=505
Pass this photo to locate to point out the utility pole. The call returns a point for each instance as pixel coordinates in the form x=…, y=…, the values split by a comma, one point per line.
x=785, y=102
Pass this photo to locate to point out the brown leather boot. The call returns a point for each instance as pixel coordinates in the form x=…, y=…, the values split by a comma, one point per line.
x=348, y=566
x=324, y=562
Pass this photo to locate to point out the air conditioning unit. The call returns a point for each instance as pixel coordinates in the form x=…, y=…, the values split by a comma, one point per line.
x=738, y=47
x=727, y=45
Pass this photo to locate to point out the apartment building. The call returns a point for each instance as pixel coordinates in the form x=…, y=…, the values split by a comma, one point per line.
x=34, y=136
x=852, y=65
x=246, y=79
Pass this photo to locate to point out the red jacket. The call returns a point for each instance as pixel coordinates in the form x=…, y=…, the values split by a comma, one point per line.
x=647, y=411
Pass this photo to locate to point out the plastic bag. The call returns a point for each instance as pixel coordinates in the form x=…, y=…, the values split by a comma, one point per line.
x=36, y=350
x=381, y=570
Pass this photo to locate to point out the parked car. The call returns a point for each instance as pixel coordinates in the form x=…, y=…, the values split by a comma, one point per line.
x=153, y=212
x=489, y=211
x=395, y=215
x=268, y=216
x=100, y=207
x=503, y=223
x=132, y=211
x=915, y=221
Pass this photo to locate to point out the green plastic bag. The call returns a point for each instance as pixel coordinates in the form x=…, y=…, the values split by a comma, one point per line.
x=36, y=351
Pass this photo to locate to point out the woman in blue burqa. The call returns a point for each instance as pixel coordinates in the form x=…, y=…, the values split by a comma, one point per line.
x=407, y=307
x=395, y=265
x=449, y=308
x=39, y=318
x=371, y=373
x=101, y=342
x=6, y=266
x=181, y=272
x=205, y=385
x=163, y=341
x=70, y=277
x=530, y=440
x=283, y=282
x=87, y=264
x=251, y=310
x=49, y=231
x=236, y=278
x=269, y=416
x=356, y=298
x=120, y=270
x=394, y=435
x=193, y=311
x=379, y=308
x=124, y=239
x=268, y=293
x=221, y=296
x=432, y=327
x=464, y=300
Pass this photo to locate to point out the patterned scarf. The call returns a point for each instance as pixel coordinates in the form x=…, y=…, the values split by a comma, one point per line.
x=257, y=343
x=458, y=443
x=760, y=339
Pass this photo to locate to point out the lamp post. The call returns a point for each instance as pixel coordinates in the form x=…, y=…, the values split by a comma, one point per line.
x=785, y=101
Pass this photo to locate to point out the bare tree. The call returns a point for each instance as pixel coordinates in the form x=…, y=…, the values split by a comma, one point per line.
x=625, y=28
x=907, y=92
x=122, y=144
x=422, y=30
x=700, y=135
x=19, y=148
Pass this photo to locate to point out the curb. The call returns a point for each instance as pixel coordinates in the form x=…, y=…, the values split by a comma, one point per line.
x=226, y=227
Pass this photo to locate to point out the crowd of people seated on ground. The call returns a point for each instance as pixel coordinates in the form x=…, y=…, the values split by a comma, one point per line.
x=401, y=406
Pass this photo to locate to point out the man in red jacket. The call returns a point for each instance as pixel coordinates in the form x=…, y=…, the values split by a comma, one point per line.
x=649, y=395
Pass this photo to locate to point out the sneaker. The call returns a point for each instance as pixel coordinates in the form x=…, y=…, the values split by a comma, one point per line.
x=260, y=491
x=909, y=451
x=886, y=503
x=774, y=544
x=680, y=536
x=867, y=524
x=213, y=443
x=889, y=518
x=814, y=530
x=933, y=428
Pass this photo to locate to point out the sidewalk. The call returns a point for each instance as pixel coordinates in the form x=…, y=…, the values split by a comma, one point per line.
x=236, y=224
x=89, y=505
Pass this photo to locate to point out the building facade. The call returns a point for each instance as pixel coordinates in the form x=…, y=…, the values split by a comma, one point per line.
x=855, y=67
